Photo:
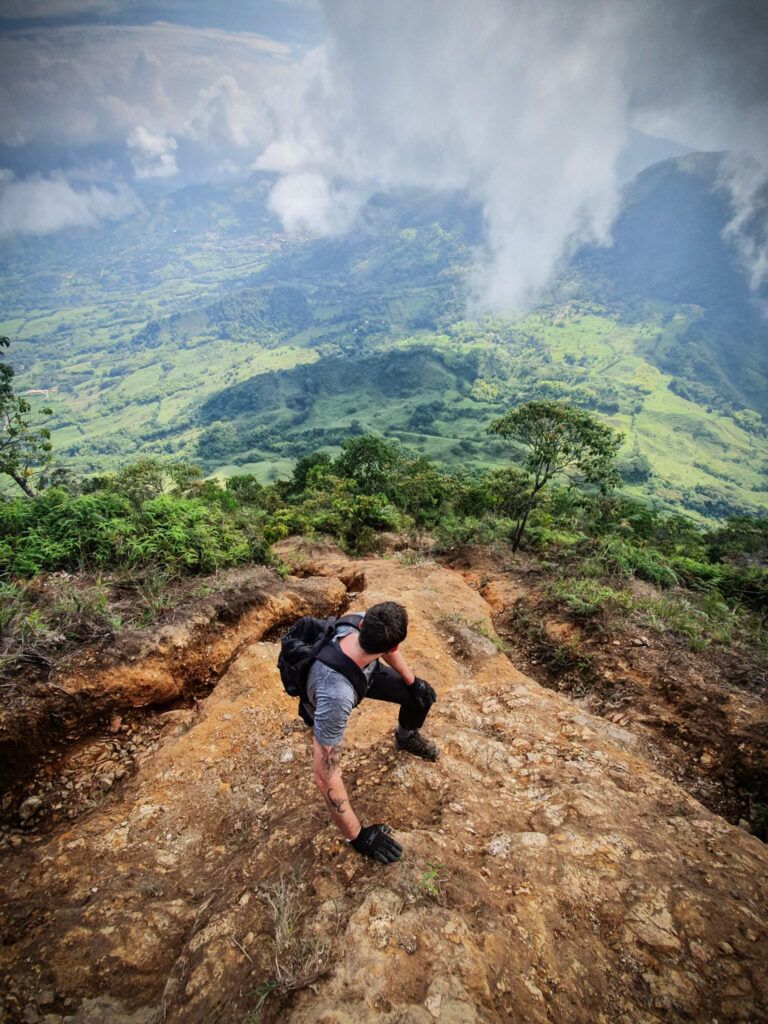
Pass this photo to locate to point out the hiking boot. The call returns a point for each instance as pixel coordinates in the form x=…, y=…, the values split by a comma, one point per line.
x=417, y=745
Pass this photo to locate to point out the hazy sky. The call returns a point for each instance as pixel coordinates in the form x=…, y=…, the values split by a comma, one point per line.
x=527, y=104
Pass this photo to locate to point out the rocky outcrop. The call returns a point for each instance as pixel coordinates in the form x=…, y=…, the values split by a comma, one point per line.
x=154, y=666
x=550, y=874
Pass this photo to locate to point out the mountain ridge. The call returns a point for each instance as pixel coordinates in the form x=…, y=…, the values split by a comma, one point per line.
x=244, y=300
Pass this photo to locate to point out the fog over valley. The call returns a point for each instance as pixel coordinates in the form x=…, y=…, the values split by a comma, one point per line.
x=532, y=108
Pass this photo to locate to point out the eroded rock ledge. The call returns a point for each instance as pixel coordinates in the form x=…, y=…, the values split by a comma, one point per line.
x=156, y=666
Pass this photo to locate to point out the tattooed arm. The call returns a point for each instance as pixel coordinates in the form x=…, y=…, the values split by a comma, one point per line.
x=327, y=776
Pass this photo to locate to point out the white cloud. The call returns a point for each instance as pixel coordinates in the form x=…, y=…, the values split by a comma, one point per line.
x=309, y=202
x=78, y=85
x=525, y=104
x=226, y=115
x=523, y=107
x=747, y=183
x=38, y=205
x=152, y=154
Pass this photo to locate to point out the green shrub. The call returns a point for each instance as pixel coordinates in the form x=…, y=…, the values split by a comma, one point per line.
x=740, y=538
x=748, y=585
x=455, y=531
x=708, y=620
x=35, y=624
x=189, y=533
x=549, y=540
x=586, y=597
x=105, y=530
x=246, y=489
x=696, y=574
x=626, y=559
x=58, y=531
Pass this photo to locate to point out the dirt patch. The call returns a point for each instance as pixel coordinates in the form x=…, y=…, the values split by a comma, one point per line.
x=176, y=663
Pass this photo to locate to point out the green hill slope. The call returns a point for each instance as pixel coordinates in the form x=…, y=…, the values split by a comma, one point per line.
x=669, y=247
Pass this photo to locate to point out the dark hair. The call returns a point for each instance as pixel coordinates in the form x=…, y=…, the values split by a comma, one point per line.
x=385, y=626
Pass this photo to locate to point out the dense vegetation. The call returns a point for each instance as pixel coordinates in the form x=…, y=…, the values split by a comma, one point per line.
x=336, y=387
x=158, y=520
x=23, y=444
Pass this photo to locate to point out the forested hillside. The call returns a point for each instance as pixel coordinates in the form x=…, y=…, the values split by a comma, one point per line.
x=201, y=331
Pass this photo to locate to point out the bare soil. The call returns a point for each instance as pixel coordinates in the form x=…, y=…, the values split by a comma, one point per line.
x=702, y=715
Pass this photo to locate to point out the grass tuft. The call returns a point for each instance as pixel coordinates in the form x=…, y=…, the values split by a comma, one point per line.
x=299, y=960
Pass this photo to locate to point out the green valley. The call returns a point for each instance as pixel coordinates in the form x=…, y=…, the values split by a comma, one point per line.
x=201, y=332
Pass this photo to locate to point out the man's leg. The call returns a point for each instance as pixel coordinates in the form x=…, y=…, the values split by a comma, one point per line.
x=387, y=685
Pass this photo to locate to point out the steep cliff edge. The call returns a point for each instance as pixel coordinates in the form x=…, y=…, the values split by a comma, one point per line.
x=550, y=873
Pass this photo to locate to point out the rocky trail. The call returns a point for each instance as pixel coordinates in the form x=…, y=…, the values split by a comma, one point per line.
x=174, y=863
x=702, y=716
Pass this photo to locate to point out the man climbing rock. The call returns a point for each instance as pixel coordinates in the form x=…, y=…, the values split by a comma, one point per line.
x=346, y=669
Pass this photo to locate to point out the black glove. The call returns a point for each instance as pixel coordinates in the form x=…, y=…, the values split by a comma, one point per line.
x=375, y=841
x=423, y=694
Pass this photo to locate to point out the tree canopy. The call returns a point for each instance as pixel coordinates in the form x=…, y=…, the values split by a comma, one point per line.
x=557, y=439
x=23, y=446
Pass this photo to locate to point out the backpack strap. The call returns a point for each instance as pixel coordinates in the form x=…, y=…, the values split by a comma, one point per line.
x=333, y=656
x=352, y=619
x=327, y=635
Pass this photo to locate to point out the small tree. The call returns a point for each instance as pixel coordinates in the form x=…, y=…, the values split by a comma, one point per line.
x=147, y=478
x=370, y=461
x=23, y=446
x=559, y=439
x=246, y=488
x=308, y=470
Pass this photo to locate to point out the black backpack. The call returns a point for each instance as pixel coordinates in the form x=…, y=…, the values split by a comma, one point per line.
x=308, y=641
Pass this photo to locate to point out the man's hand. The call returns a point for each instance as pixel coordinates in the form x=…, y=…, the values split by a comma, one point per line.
x=423, y=694
x=375, y=841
